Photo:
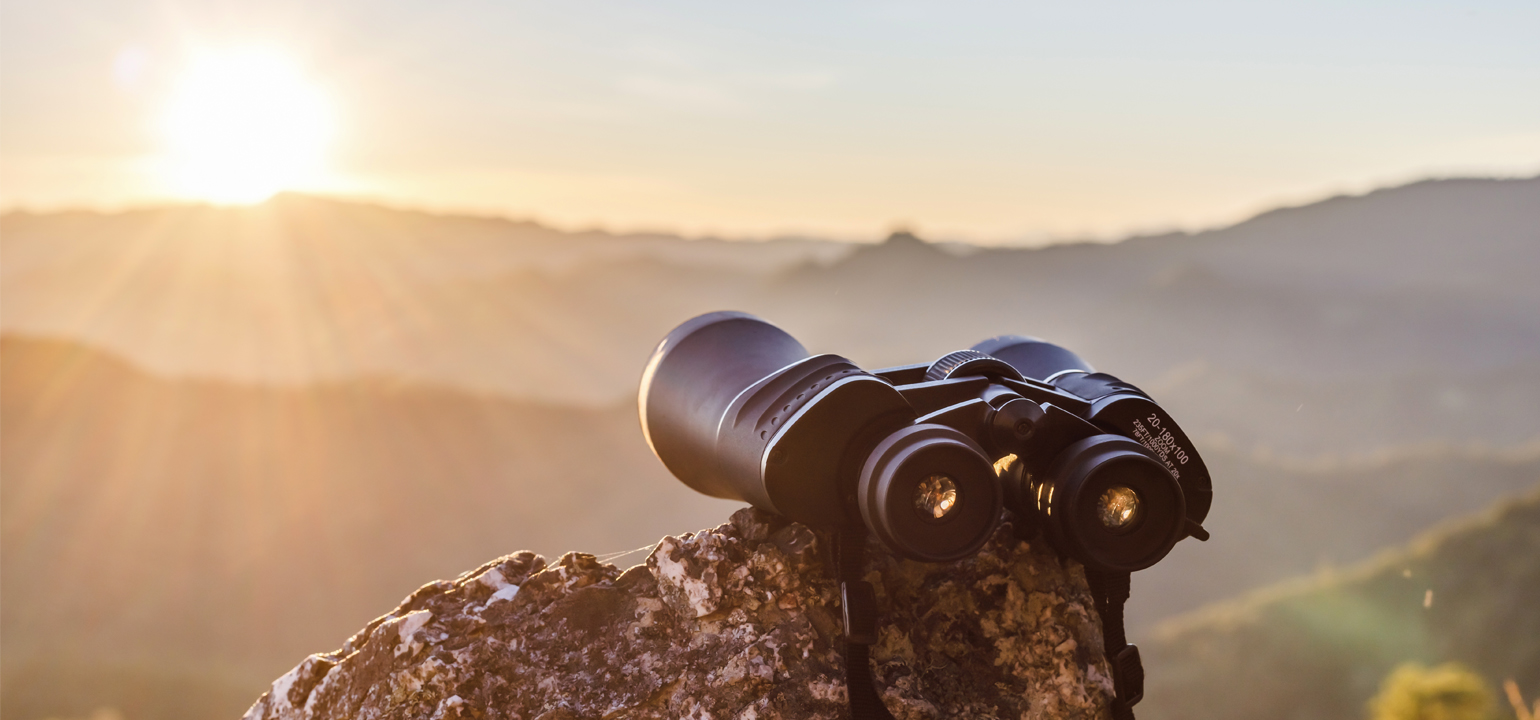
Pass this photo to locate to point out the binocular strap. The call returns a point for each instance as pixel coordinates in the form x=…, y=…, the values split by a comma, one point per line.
x=858, y=601
x=1110, y=591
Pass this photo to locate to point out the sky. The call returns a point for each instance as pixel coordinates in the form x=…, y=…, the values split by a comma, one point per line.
x=1017, y=122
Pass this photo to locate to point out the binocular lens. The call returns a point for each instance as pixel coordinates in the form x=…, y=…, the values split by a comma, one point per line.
x=1119, y=508
x=935, y=496
x=1110, y=504
x=929, y=493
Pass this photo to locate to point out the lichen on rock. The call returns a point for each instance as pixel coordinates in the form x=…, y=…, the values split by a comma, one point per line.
x=741, y=621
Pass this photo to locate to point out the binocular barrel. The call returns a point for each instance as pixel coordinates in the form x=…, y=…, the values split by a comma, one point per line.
x=1033, y=358
x=924, y=457
x=695, y=374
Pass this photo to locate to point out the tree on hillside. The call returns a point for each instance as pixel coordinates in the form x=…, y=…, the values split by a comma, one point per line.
x=1447, y=692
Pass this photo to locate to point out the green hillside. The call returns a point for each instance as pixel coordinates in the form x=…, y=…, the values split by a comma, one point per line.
x=1318, y=648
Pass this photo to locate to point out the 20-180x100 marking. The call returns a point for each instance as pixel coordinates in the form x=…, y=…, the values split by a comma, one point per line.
x=1163, y=445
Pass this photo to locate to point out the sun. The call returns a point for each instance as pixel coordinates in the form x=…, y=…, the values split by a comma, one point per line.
x=244, y=124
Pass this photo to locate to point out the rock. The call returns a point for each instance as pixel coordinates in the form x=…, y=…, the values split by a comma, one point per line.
x=741, y=621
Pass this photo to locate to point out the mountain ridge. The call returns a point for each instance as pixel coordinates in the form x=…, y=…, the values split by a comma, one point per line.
x=1318, y=646
x=407, y=209
x=138, y=513
x=326, y=294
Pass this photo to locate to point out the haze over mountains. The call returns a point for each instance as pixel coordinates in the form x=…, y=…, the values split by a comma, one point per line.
x=154, y=524
x=145, y=516
x=231, y=435
x=1418, y=297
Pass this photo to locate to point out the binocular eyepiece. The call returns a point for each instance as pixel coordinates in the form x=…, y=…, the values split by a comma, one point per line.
x=925, y=456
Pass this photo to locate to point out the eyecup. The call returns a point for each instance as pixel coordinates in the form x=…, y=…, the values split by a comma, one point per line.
x=892, y=474
x=1075, y=483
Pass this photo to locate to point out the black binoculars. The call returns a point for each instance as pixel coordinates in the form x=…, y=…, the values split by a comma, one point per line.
x=925, y=456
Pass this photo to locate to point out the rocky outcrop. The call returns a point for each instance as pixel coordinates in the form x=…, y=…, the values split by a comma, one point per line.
x=740, y=621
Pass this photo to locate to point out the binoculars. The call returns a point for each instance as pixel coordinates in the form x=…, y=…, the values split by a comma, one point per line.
x=925, y=456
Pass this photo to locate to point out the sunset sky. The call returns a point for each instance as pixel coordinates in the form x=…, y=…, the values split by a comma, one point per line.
x=990, y=122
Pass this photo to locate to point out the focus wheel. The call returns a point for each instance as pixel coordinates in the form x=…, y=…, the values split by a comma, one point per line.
x=965, y=363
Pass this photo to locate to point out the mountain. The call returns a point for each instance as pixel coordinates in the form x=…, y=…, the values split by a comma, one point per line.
x=201, y=536
x=328, y=290
x=220, y=532
x=1319, y=647
x=205, y=409
x=1322, y=328
x=1276, y=518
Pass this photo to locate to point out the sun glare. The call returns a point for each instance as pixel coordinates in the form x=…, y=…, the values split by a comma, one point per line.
x=243, y=125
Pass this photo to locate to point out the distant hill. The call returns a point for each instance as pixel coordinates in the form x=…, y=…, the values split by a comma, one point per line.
x=302, y=289
x=1323, y=328
x=1274, y=518
x=1318, y=648
x=225, y=531
x=205, y=409
x=201, y=536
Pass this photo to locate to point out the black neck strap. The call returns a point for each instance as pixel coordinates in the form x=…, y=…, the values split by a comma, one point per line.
x=1110, y=591
x=858, y=600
